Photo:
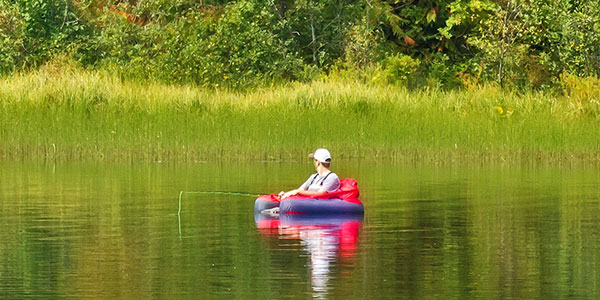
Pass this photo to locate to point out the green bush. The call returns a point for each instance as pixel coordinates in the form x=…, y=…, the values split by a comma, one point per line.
x=12, y=36
x=318, y=30
x=585, y=89
x=523, y=44
x=439, y=73
x=361, y=47
x=398, y=68
x=49, y=28
x=235, y=46
x=242, y=47
x=127, y=47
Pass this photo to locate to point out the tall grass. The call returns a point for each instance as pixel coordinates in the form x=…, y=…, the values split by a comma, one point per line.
x=74, y=114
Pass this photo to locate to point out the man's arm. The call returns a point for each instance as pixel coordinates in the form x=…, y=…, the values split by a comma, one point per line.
x=303, y=187
x=311, y=193
x=302, y=192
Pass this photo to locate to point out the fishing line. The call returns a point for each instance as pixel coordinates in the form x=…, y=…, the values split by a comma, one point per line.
x=214, y=193
x=208, y=193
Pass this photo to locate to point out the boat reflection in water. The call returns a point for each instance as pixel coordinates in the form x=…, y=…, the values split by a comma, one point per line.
x=327, y=239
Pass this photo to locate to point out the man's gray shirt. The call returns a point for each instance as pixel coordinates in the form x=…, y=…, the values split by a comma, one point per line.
x=315, y=182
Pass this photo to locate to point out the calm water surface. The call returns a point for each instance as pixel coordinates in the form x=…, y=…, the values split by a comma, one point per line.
x=84, y=230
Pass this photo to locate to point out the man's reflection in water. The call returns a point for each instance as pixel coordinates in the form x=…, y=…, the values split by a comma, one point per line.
x=324, y=238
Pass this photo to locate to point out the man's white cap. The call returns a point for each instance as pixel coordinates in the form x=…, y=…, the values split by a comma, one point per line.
x=321, y=155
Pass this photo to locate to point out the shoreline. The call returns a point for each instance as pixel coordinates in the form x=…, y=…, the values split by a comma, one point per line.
x=93, y=116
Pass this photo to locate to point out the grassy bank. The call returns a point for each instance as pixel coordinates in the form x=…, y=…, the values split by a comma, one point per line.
x=84, y=115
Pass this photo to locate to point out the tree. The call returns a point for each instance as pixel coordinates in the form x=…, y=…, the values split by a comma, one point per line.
x=317, y=29
x=12, y=35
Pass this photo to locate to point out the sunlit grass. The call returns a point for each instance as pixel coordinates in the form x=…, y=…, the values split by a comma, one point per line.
x=90, y=115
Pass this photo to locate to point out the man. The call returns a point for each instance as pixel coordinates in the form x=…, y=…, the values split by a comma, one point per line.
x=322, y=182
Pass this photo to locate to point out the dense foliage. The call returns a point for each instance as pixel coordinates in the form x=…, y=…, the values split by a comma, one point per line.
x=439, y=43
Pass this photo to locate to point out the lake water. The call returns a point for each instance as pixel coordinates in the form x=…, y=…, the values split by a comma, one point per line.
x=99, y=230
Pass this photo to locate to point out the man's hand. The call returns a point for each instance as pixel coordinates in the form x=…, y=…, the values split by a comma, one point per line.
x=290, y=193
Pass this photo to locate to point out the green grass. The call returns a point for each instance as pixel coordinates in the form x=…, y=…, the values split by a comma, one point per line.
x=88, y=115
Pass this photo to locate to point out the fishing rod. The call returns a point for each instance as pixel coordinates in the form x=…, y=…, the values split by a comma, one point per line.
x=209, y=193
x=214, y=193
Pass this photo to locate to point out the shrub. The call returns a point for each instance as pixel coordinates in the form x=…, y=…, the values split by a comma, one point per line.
x=361, y=47
x=580, y=88
x=583, y=94
x=243, y=46
x=535, y=73
x=49, y=27
x=235, y=46
x=398, y=68
x=11, y=38
x=439, y=72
